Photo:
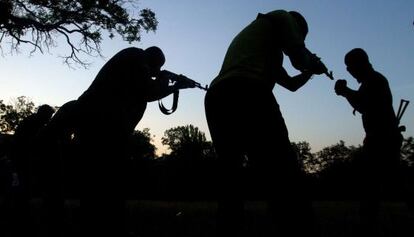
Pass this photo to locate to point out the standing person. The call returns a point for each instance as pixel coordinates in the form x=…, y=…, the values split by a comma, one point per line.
x=23, y=157
x=244, y=119
x=383, y=139
x=109, y=111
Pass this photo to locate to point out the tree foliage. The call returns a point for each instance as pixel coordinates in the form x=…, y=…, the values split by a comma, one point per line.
x=407, y=151
x=335, y=154
x=327, y=158
x=12, y=114
x=141, y=146
x=187, y=142
x=81, y=23
x=306, y=157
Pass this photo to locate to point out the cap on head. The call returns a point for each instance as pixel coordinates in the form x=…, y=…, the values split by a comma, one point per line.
x=155, y=57
x=357, y=57
x=301, y=22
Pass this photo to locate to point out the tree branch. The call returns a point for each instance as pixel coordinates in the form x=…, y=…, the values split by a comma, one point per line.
x=70, y=18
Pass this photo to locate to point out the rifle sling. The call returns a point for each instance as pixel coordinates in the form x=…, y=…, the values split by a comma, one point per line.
x=174, y=105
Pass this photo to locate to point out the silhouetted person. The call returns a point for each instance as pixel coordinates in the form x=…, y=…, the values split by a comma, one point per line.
x=8, y=176
x=383, y=139
x=56, y=142
x=25, y=163
x=8, y=180
x=109, y=111
x=245, y=120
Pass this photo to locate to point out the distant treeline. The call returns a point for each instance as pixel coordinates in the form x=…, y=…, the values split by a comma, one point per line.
x=189, y=171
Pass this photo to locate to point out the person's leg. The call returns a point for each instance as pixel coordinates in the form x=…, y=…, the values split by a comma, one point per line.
x=278, y=170
x=113, y=187
x=88, y=196
x=103, y=202
x=52, y=183
x=382, y=179
x=225, y=121
x=21, y=213
x=370, y=191
x=248, y=122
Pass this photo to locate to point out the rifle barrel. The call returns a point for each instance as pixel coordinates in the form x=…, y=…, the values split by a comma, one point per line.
x=329, y=75
x=200, y=87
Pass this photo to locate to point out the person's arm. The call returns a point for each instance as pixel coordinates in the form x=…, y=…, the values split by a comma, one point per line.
x=352, y=96
x=292, y=83
x=305, y=61
x=293, y=45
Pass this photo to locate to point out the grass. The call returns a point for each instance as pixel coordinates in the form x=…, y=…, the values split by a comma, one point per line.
x=150, y=218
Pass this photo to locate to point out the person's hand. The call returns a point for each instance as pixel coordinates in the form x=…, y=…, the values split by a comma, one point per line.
x=340, y=87
x=163, y=78
x=317, y=65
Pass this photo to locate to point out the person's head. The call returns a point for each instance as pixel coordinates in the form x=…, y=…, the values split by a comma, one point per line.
x=301, y=21
x=357, y=63
x=155, y=58
x=45, y=112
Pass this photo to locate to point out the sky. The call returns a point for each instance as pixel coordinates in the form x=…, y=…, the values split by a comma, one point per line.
x=194, y=36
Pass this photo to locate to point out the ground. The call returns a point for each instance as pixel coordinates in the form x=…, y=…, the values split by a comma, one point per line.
x=149, y=218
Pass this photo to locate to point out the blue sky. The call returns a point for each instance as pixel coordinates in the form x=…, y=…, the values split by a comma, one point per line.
x=195, y=34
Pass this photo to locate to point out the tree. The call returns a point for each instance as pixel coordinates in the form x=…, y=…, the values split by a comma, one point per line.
x=189, y=170
x=334, y=154
x=39, y=22
x=187, y=142
x=306, y=157
x=11, y=115
x=141, y=146
x=407, y=151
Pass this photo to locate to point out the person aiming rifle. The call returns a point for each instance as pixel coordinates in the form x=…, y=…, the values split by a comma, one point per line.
x=108, y=112
x=244, y=120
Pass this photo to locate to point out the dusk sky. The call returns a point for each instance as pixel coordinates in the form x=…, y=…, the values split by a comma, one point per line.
x=194, y=36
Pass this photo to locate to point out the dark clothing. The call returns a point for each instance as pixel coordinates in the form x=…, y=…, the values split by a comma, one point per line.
x=383, y=138
x=380, y=179
x=26, y=162
x=233, y=130
x=6, y=166
x=24, y=147
x=117, y=92
x=374, y=101
x=245, y=123
x=110, y=109
x=57, y=142
x=256, y=52
x=380, y=172
x=261, y=136
x=57, y=146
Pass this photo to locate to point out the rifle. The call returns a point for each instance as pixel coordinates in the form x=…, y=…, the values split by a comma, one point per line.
x=401, y=110
x=328, y=73
x=177, y=78
x=173, y=77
